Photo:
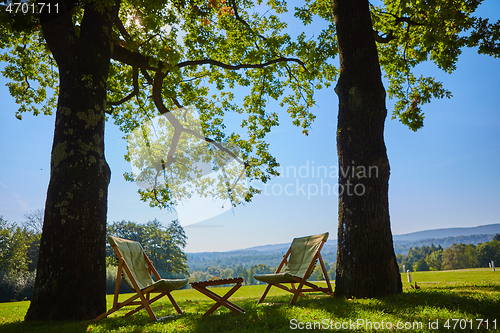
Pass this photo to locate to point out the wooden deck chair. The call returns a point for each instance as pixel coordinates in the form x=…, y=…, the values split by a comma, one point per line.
x=136, y=269
x=296, y=267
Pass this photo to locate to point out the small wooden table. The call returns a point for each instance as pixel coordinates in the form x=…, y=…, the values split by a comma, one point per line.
x=220, y=300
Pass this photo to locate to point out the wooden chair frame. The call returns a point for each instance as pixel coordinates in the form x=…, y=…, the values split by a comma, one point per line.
x=144, y=295
x=300, y=290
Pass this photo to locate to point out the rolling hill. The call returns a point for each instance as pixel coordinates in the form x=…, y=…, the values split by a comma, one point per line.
x=449, y=232
x=271, y=254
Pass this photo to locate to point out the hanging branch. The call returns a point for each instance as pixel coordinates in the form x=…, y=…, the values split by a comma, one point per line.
x=123, y=31
x=179, y=129
x=135, y=59
x=134, y=92
x=389, y=36
x=145, y=63
x=240, y=66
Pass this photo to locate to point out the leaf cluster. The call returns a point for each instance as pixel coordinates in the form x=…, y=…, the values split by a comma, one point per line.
x=221, y=57
x=240, y=63
x=30, y=67
x=224, y=61
x=411, y=32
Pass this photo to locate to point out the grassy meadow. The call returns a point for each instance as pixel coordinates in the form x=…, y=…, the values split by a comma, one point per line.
x=447, y=301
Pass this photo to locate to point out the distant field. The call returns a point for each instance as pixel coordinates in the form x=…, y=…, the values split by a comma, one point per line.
x=472, y=275
x=468, y=299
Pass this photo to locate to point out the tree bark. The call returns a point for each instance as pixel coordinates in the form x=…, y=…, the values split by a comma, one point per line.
x=71, y=270
x=366, y=263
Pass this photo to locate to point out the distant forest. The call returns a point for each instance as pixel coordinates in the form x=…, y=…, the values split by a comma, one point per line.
x=252, y=257
x=463, y=252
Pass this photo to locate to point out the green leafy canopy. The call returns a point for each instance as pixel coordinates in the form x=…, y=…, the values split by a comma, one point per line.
x=245, y=58
x=411, y=32
x=29, y=66
x=221, y=58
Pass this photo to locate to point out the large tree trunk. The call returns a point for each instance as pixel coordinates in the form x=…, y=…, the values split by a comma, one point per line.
x=366, y=263
x=70, y=280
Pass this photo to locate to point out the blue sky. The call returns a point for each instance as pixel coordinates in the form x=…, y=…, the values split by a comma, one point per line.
x=445, y=175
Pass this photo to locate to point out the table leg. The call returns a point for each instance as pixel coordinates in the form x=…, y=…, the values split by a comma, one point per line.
x=221, y=300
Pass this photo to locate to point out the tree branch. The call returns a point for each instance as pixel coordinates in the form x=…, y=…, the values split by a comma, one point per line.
x=176, y=102
x=134, y=92
x=158, y=81
x=138, y=60
x=407, y=20
x=121, y=28
x=400, y=19
x=179, y=128
x=133, y=59
x=236, y=67
x=147, y=76
x=242, y=21
x=380, y=39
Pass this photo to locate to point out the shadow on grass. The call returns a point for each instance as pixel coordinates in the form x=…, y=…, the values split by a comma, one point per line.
x=261, y=318
x=422, y=306
x=470, y=302
x=482, y=287
x=268, y=317
x=45, y=327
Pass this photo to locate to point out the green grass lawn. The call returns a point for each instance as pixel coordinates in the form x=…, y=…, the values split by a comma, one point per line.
x=448, y=301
